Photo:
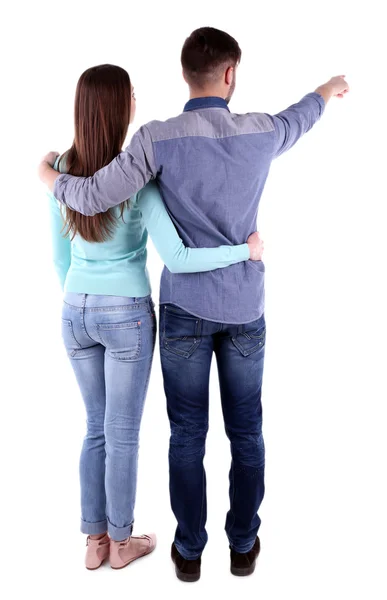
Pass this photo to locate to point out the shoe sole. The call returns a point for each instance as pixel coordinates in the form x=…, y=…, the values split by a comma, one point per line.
x=243, y=572
x=186, y=577
x=133, y=559
x=99, y=566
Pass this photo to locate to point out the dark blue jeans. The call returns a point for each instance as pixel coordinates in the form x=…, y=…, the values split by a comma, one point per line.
x=187, y=344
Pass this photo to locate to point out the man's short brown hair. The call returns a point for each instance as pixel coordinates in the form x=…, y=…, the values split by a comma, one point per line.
x=205, y=53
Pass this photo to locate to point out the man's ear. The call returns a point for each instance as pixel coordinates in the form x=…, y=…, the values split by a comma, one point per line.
x=229, y=75
x=184, y=77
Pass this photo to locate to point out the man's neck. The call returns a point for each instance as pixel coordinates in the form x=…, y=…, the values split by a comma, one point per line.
x=206, y=94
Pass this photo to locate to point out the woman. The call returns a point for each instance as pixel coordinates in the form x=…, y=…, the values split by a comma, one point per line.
x=108, y=319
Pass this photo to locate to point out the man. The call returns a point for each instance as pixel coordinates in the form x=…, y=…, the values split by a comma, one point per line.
x=211, y=167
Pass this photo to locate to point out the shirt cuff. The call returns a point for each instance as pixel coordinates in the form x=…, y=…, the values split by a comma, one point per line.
x=319, y=99
x=244, y=252
x=57, y=185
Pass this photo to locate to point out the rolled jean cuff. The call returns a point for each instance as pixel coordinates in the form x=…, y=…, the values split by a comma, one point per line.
x=94, y=528
x=242, y=548
x=119, y=534
x=186, y=555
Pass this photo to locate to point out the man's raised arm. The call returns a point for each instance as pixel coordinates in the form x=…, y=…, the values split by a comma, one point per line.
x=296, y=120
x=127, y=174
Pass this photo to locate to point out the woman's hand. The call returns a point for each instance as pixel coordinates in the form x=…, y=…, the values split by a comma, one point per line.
x=255, y=245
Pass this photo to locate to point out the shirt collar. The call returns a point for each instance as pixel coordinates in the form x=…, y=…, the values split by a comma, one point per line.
x=207, y=102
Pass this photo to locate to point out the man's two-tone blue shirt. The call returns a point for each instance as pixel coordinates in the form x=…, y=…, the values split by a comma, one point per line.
x=211, y=167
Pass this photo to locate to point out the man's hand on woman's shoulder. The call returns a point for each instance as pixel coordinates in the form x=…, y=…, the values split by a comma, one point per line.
x=45, y=169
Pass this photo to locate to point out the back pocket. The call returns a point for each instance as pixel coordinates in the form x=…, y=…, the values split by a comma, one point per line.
x=68, y=336
x=252, y=340
x=121, y=340
x=181, y=332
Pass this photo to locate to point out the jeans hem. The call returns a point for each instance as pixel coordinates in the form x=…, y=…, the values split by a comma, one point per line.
x=185, y=555
x=93, y=528
x=119, y=534
x=242, y=549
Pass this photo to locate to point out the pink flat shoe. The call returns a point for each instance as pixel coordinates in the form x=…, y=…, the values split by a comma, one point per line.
x=97, y=552
x=125, y=552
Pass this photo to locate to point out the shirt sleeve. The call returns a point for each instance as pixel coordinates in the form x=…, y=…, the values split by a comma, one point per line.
x=296, y=120
x=61, y=245
x=128, y=173
x=176, y=257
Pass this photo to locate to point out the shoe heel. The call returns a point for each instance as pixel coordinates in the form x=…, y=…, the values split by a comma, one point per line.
x=243, y=572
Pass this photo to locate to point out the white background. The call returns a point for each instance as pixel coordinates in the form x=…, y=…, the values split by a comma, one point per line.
x=323, y=218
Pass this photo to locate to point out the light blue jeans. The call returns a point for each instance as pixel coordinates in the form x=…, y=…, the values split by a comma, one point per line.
x=110, y=342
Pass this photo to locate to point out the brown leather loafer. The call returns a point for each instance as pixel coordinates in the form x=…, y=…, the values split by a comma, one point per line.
x=244, y=564
x=186, y=570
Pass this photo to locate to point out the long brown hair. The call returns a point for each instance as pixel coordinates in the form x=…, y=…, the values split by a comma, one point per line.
x=101, y=118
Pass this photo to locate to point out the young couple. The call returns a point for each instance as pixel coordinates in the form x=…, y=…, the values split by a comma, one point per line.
x=194, y=183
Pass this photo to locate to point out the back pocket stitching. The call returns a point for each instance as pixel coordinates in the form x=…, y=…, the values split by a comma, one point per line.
x=69, y=324
x=196, y=338
x=245, y=352
x=120, y=327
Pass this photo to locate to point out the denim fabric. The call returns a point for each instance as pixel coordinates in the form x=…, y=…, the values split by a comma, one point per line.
x=110, y=342
x=187, y=344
